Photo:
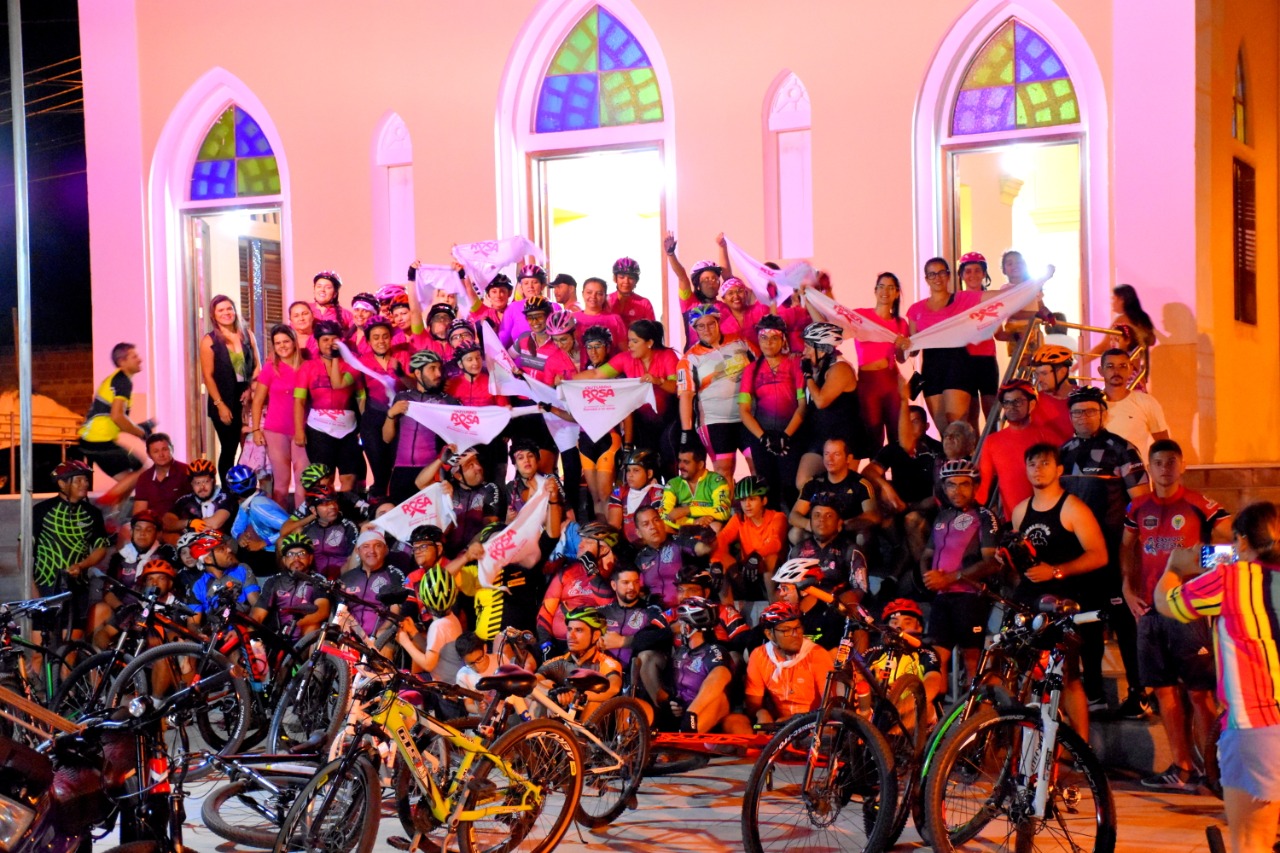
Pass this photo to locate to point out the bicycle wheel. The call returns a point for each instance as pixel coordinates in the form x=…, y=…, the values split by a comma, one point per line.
x=979, y=787
x=613, y=776
x=850, y=771
x=249, y=813
x=312, y=707
x=84, y=691
x=337, y=811
x=905, y=733
x=415, y=815
x=217, y=724
x=546, y=776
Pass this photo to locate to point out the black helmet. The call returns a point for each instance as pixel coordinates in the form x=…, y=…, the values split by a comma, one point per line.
x=326, y=327
x=333, y=277
x=1087, y=394
x=426, y=533
x=536, y=305
x=442, y=308
x=597, y=333
x=626, y=266
x=645, y=458
x=499, y=280
x=526, y=444
x=697, y=612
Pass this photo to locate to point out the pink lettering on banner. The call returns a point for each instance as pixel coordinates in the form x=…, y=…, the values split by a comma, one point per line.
x=420, y=505
x=597, y=393
x=854, y=319
x=502, y=546
x=488, y=247
x=987, y=312
x=465, y=420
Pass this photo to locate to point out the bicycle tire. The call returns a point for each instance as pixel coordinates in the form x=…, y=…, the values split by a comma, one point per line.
x=249, y=827
x=361, y=809
x=412, y=818
x=312, y=707
x=621, y=724
x=544, y=752
x=908, y=696
x=222, y=721
x=985, y=745
x=671, y=761
x=85, y=690
x=867, y=773
x=69, y=654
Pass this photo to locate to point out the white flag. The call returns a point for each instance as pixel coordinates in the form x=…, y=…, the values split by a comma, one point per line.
x=484, y=260
x=982, y=320
x=429, y=278
x=462, y=426
x=862, y=328
x=429, y=506
x=501, y=367
x=519, y=543
x=758, y=276
x=350, y=360
x=563, y=433
x=600, y=405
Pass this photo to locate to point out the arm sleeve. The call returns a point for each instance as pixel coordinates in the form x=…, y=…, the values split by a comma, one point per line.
x=986, y=474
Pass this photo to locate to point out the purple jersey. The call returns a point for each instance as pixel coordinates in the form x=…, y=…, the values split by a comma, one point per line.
x=659, y=568
x=958, y=539
x=690, y=667
x=627, y=622
x=417, y=446
x=366, y=587
x=286, y=590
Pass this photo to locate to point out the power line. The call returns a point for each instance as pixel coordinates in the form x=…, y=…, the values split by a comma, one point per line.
x=47, y=178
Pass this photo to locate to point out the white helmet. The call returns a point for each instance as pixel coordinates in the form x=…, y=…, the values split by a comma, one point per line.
x=823, y=335
x=801, y=572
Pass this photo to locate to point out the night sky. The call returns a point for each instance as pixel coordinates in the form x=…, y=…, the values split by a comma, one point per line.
x=59, y=209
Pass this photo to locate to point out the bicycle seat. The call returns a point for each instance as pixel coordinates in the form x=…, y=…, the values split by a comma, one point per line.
x=587, y=681
x=509, y=680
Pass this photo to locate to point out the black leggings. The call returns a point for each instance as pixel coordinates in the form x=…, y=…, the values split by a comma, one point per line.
x=380, y=454
x=229, y=436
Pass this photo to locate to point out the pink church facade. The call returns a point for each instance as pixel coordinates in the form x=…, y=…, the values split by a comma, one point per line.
x=868, y=137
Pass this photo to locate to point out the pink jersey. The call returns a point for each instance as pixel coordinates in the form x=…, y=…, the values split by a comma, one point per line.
x=313, y=381
x=1183, y=520
x=612, y=322
x=921, y=315
x=746, y=327
x=869, y=352
x=635, y=308
x=281, y=380
x=473, y=390
x=797, y=318
x=662, y=364
x=397, y=368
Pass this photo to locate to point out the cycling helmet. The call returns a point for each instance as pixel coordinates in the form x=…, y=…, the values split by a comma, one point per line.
x=422, y=358
x=326, y=328
x=597, y=333
x=561, y=323
x=533, y=271
x=426, y=533
x=437, y=590
x=205, y=543
x=366, y=299
x=730, y=283
x=697, y=312
x=773, y=323
x=333, y=277
x=459, y=325
x=524, y=444
x=489, y=531
x=779, y=612
x=961, y=467
x=499, y=280
x=626, y=266
x=186, y=539
x=442, y=308
x=296, y=539
x=202, y=468
x=314, y=473
x=72, y=468
x=149, y=516
x=378, y=320
x=158, y=566
x=400, y=301
x=1052, y=354
x=589, y=616
x=601, y=532
x=1086, y=394
x=465, y=349
x=389, y=291
x=241, y=481
x=453, y=462
x=697, y=612
x=536, y=305
x=823, y=335
x=703, y=266
x=643, y=457
x=319, y=494
x=801, y=572
x=1018, y=385
x=901, y=605
x=750, y=487
x=971, y=258
x=696, y=575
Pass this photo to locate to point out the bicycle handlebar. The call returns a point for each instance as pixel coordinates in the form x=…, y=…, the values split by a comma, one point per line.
x=13, y=609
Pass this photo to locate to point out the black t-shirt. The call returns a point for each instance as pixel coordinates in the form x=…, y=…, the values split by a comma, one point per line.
x=912, y=476
x=847, y=496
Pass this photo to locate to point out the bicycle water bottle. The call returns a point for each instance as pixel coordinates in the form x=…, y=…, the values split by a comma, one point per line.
x=843, y=651
x=258, y=662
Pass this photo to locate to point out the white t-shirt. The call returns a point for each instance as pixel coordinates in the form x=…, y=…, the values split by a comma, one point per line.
x=441, y=634
x=1135, y=418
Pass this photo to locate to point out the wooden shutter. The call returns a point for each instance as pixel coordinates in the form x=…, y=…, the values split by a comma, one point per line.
x=1245, y=224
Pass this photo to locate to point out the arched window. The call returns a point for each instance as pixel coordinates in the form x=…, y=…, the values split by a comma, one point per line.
x=235, y=160
x=1239, y=127
x=1015, y=81
x=788, y=170
x=393, y=209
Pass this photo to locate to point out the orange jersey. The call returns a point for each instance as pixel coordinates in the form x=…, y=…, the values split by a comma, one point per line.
x=794, y=686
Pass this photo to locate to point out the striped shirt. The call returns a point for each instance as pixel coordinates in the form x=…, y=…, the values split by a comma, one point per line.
x=1246, y=598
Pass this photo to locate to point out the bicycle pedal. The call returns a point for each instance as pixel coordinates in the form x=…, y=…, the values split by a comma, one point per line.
x=399, y=842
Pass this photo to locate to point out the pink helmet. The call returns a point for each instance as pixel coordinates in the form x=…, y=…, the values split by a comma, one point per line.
x=729, y=284
x=389, y=291
x=533, y=271
x=972, y=258
x=700, y=267
x=561, y=323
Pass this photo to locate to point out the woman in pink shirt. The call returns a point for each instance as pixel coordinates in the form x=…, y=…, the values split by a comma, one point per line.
x=303, y=320
x=595, y=312
x=395, y=366
x=364, y=307
x=737, y=317
x=328, y=398
x=274, y=391
x=879, y=399
x=326, y=287
x=945, y=370
x=984, y=371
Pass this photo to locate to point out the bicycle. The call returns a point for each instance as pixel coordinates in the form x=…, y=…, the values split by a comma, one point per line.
x=521, y=793
x=249, y=809
x=16, y=673
x=1023, y=763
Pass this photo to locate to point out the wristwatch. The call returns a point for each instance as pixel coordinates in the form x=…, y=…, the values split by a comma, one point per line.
x=1057, y=573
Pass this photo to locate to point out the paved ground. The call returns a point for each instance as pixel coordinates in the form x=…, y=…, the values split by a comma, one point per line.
x=701, y=812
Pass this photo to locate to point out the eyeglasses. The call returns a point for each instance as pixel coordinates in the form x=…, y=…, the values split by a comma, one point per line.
x=789, y=632
x=474, y=662
x=597, y=345
x=1018, y=402
x=706, y=324
x=934, y=276
x=295, y=553
x=1086, y=413
x=422, y=546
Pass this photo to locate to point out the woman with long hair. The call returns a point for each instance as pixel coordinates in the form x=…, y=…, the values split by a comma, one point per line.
x=945, y=369
x=1131, y=328
x=879, y=398
x=984, y=371
x=326, y=287
x=303, y=321
x=229, y=363
x=275, y=430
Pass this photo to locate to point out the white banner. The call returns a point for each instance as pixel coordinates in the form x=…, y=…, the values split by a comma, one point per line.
x=563, y=433
x=519, y=543
x=758, y=276
x=462, y=426
x=860, y=327
x=484, y=260
x=429, y=506
x=600, y=405
x=429, y=278
x=982, y=320
x=501, y=367
x=350, y=360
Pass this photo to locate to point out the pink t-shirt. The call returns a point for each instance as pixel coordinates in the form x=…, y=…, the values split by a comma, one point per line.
x=746, y=328
x=870, y=352
x=635, y=308
x=397, y=368
x=662, y=364
x=280, y=381
x=797, y=318
x=313, y=382
x=924, y=318
x=612, y=322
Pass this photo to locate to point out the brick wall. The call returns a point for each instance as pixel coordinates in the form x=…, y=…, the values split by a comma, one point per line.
x=64, y=373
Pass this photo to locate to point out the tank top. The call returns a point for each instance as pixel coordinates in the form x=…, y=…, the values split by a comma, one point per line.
x=1054, y=545
x=841, y=418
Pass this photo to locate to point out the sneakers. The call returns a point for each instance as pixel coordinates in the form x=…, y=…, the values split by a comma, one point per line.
x=1097, y=704
x=1136, y=706
x=1174, y=779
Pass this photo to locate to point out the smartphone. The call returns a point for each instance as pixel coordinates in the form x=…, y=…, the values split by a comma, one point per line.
x=1214, y=555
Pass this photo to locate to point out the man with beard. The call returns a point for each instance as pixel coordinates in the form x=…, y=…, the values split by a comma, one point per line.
x=207, y=501
x=293, y=588
x=416, y=446
x=786, y=675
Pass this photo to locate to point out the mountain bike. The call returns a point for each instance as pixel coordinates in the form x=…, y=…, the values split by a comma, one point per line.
x=40, y=683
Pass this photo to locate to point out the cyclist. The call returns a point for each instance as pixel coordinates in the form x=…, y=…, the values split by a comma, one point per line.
x=207, y=501
x=432, y=651
x=624, y=301
x=595, y=311
x=1001, y=463
x=698, y=496
x=476, y=502
x=696, y=698
x=903, y=614
x=760, y=537
x=836, y=551
x=158, y=574
x=532, y=281
x=215, y=552
x=108, y=416
x=332, y=536
x=125, y=565
x=1050, y=369
x=318, y=476
x=326, y=287
x=841, y=487
x=294, y=587
x=785, y=676
x=627, y=616
x=389, y=366
x=371, y=577
x=831, y=386
x=772, y=406
x=584, y=627
x=257, y=523
x=564, y=288
x=525, y=459
x=821, y=620
x=639, y=488
x=663, y=556
x=497, y=295
x=415, y=445
x=582, y=583
x=708, y=380
x=70, y=538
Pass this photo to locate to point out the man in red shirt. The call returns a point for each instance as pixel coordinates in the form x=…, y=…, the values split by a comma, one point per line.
x=1174, y=658
x=163, y=483
x=1050, y=367
x=1002, y=461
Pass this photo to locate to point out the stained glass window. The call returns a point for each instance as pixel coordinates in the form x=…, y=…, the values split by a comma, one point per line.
x=235, y=160
x=599, y=77
x=1238, y=125
x=1016, y=81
